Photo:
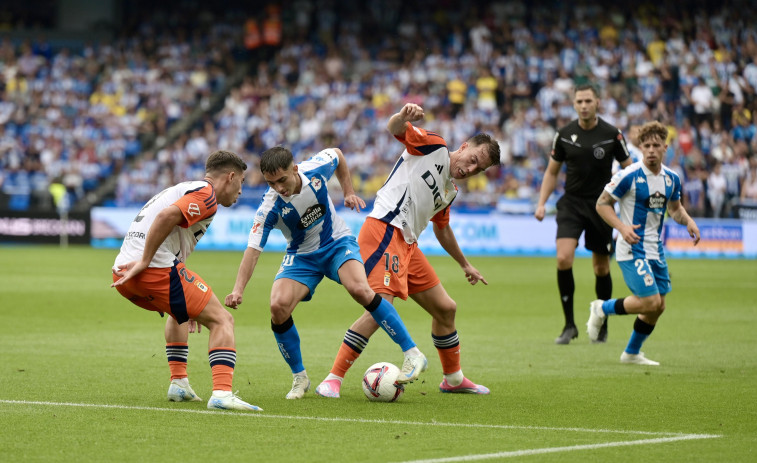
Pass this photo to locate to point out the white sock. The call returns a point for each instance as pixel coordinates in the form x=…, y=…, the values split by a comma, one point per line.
x=413, y=351
x=455, y=379
x=333, y=376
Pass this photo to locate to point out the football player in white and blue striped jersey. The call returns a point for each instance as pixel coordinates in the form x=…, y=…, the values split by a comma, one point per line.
x=319, y=244
x=645, y=191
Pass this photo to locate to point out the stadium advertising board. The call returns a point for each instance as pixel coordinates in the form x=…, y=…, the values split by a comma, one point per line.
x=716, y=237
x=493, y=234
x=43, y=227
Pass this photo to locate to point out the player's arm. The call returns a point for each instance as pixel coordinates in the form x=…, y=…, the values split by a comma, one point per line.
x=606, y=209
x=446, y=238
x=548, y=184
x=679, y=214
x=161, y=227
x=351, y=200
x=398, y=122
x=246, y=268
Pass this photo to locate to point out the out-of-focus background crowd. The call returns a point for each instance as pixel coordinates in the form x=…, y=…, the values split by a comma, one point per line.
x=107, y=103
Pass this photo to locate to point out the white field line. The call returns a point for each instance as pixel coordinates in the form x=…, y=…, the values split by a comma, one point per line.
x=572, y=448
x=262, y=415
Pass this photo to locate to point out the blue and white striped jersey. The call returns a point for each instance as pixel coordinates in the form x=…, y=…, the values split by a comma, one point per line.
x=308, y=219
x=643, y=198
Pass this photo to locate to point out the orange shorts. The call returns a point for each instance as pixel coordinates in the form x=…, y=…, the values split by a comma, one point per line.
x=393, y=266
x=175, y=290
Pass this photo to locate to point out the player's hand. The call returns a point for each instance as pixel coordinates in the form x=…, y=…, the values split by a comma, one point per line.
x=128, y=271
x=354, y=202
x=233, y=300
x=194, y=326
x=412, y=112
x=473, y=275
x=629, y=235
x=693, y=231
x=539, y=213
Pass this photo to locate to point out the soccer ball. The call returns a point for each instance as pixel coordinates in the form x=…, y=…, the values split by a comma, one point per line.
x=380, y=383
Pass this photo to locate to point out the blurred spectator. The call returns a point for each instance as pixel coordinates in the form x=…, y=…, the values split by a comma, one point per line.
x=716, y=189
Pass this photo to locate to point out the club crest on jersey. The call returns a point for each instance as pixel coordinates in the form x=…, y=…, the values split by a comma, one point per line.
x=599, y=152
x=193, y=209
x=573, y=138
x=656, y=201
x=668, y=181
x=311, y=216
x=316, y=183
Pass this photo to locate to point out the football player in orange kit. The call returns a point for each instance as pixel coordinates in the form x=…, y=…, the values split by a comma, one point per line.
x=419, y=189
x=149, y=271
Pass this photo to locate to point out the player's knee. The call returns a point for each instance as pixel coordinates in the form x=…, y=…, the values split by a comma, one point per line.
x=652, y=305
x=661, y=309
x=564, y=260
x=361, y=293
x=447, y=309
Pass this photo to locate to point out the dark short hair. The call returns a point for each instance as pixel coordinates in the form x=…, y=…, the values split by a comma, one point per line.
x=274, y=159
x=491, y=144
x=650, y=129
x=224, y=160
x=586, y=86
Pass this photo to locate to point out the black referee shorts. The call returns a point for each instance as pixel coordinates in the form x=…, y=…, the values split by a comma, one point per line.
x=576, y=215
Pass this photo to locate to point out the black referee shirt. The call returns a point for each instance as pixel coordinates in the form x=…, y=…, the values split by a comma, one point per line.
x=588, y=155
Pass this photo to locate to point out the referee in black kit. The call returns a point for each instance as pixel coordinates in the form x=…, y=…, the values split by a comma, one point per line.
x=588, y=146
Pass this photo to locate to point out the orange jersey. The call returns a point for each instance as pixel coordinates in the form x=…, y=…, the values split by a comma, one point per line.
x=197, y=202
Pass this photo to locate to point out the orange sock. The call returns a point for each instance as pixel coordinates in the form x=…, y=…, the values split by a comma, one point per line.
x=177, y=353
x=344, y=360
x=222, y=362
x=450, y=358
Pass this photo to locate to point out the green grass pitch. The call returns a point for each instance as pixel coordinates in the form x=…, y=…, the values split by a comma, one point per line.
x=83, y=374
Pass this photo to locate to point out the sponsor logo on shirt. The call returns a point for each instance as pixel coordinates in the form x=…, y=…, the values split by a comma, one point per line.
x=430, y=181
x=311, y=216
x=138, y=235
x=640, y=180
x=285, y=211
x=656, y=201
x=256, y=228
x=193, y=209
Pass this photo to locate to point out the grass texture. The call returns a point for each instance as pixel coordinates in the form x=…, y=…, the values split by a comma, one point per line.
x=83, y=375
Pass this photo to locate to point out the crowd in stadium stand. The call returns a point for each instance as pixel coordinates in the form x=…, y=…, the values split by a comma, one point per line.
x=338, y=72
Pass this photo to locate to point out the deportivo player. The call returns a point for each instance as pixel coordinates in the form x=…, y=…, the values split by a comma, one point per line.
x=150, y=272
x=645, y=191
x=419, y=189
x=319, y=244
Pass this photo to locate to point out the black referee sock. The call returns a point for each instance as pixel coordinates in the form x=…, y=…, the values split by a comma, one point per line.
x=603, y=287
x=567, y=286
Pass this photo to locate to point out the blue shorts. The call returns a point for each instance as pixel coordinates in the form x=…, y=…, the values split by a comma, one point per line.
x=309, y=269
x=646, y=277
